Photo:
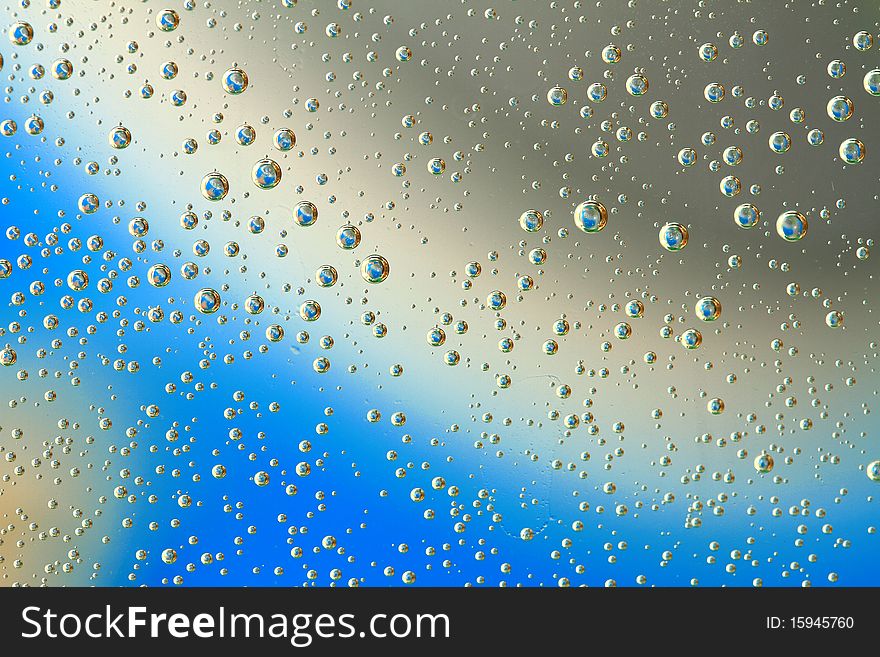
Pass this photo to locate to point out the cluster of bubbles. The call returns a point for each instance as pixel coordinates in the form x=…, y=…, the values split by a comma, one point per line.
x=257, y=263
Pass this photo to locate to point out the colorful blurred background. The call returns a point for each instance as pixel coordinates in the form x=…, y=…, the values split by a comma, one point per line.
x=174, y=413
